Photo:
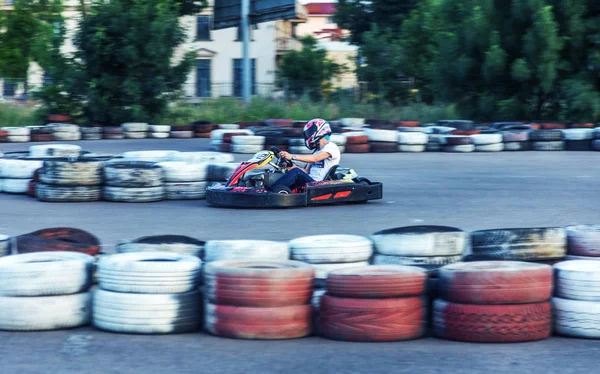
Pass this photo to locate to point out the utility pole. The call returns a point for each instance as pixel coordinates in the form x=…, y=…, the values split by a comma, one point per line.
x=246, y=77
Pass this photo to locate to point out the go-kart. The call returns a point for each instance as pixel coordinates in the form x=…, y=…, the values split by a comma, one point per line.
x=248, y=187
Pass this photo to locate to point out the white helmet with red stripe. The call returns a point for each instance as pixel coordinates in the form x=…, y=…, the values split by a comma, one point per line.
x=314, y=130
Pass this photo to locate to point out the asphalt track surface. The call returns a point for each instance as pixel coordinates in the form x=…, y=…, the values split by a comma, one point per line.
x=470, y=191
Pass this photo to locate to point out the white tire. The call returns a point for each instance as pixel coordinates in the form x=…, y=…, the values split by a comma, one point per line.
x=148, y=272
x=576, y=318
x=67, y=136
x=17, y=186
x=247, y=149
x=429, y=263
x=147, y=314
x=45, y=274
x=19, y=169
x=62, y=194
x=413, y=138
x=17, y=131
x=138, y=174
x=85, y=136
x=62, y=127
x=465, y=148
x=220, y=172
x=160, y=128
x=135, y=135
x=420, y=241
x=5, y=244
x=320, y=249
x=352, y=122
x=158, y=135
x=183, y=172
x=322, y=270
x=382, y=135
x=76, y=173
x=516, y=146
x=217, y=250
x=216, y=136
x=185, y=190
x=149, y=156
x=169, y=243
x=248, y=140
x=18, y=138
x=412, y=148
x=436, y=139
x=338, y=139
x=228, y=126
x=45, y=313
x=583, y=240
x=301, y=150
x=135, y=127
x=202, y=157
x=354, y=133
x=578, y=280
x=578, y=134
x=134, y=194
x=496, y=147
x=483, y=139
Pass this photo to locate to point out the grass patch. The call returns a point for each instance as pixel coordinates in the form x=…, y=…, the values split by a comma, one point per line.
x=12, y=115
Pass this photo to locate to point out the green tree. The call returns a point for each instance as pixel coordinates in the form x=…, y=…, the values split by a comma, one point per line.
x=123, y=68
x=308, y=70
x=34, y=31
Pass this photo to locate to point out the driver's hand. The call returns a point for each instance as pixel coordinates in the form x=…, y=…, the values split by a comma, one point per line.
x=286, y=155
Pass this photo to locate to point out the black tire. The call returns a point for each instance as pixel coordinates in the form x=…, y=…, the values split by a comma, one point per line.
x=363, y=181
x=282, y=190
x=545, y=135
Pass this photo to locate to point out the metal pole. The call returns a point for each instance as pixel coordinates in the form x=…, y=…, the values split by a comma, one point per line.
x=246, y=77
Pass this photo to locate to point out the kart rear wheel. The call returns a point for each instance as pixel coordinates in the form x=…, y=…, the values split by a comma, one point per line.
x=283, y=190
x=363, y=181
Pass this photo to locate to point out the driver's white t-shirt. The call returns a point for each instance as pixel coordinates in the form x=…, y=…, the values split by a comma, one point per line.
x=319, y=169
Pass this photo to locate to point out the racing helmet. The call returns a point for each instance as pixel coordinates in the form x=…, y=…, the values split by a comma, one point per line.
x=314, y=130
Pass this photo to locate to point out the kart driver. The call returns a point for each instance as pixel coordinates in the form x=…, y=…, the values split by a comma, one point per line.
x=325, y=155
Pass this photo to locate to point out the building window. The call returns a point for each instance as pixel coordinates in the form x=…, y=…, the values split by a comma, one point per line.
x=237, y=77
x=9, y=88
x=203, y=85
x=203, y=28
x=329, y=20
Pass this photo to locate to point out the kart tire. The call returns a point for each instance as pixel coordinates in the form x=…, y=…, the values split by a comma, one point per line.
x=148, y=272
x=492, y=323
x=158, y=135
x=18, y=169
x=45, y=274
x=45, y=312
x=323, y=270
x=457, y=140
x=495, y=282
x=328, y=249
x=63, y=172
x=583, y=240
x=357, y=148
x=159, y=128
x=62, y=194
x=578, y=280
x=180, y=134
x=203, y=126
x=420, y=241
x=522, y=244
x=133, y=174
x=412, y=138
x=372, y=320
x=135, y=135
x=180, y=244
x=135, y=127
x=112, y=130
x=183, y=172
x=134, y=194
x=545, y=135
x=246, y=149
x=265, y=323
x=576, y=318
x=552, y=126
x=54, y=150
x=515, y=136
x=496, y=147
x=414, y=148
x=258, y=283
x=516, y=146
x=578, y=134
x=219, y=250
x=377, y=282
x=58, y=239
x=282, y=190
x=467, y=148
x=578, y=145
x=485, y=139
x=15, y=186
x=147, y=313
x=149, y=156
x=383, y=147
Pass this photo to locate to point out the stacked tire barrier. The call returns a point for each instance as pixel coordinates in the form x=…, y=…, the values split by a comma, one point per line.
x=41, y=134
x=382, y=141
x=429, y=247
x=180, y=244
x=577, y=299
x=494, y=302
x=113, y=133
x=65, y=131
x=547, y=140
x=357, y=142
x=488, y=142
x=258, y=299
x=229, y=250
x=374, y=304
x=578, y=139
x=516, y=139
x=54, y=150
x=45, y=291
x=16, y=134
x=159, y=131
x=184, y=181
x=133, y=181
x=148, y=293
x=65, y=180
x=15, y=175
x=330, y=252
x=135, y=130
x=91, y=133
x=458, y=144
x=247, y=143
x=220, y=140
x=182, y=132
x=412, y=141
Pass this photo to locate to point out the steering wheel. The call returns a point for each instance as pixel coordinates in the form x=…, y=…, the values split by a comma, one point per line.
x=283, y=162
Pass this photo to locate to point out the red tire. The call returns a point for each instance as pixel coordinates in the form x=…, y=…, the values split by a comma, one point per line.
x=288, y=322
x=407, y=123
x=384, y=147
x=550, y=126
x=492, y=323
x=259, y=283
x=357, y=148
x=372, y=320
x=496, y=282
x=202, y=135
x=465, y=132
x=59, y=239
x=582, y=126
x=357, y=139
x=377, y=281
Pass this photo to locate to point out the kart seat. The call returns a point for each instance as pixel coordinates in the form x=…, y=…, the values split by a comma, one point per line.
x=331, y=173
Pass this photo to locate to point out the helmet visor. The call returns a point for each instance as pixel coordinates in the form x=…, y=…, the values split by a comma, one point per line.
x=310, y=132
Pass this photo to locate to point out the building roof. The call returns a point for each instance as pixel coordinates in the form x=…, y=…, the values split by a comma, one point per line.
x=320, y=8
